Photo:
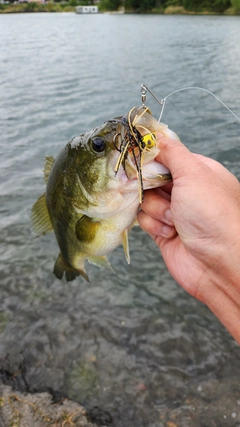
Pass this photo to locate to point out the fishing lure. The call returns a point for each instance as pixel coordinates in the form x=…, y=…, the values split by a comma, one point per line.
x=133, y=140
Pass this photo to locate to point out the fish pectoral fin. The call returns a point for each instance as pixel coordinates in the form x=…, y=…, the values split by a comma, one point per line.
x=100, y=261
x=125, y=245
x=86, y=229
x=61, y=268
x=49, y=160
x=40, y=219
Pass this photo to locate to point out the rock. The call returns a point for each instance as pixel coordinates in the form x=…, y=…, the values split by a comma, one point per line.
x=19, y=409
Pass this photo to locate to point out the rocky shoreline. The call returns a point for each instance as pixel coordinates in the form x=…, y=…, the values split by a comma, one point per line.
x=47, y=408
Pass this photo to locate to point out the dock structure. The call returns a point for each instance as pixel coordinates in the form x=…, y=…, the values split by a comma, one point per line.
x=86, y=9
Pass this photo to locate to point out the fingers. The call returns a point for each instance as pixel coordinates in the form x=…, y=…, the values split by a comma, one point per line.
x=155, y=217
x=157, y=205
x=165, y=190
x=155, y=227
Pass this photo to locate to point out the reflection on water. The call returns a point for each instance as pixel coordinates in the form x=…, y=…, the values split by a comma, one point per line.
x=133, y=343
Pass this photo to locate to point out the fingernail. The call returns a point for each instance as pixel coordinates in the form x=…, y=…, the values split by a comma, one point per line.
x=167, y=231
x=168, y=216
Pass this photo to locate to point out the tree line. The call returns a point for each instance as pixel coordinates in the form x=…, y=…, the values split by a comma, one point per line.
x=143, y=6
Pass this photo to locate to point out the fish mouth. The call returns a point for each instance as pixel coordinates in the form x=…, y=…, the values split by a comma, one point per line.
x=136, y=144
x=140, y=161
x=155, y=172
x=146, y=168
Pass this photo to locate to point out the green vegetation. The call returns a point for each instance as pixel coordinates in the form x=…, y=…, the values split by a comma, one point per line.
x=84, y=379
x=228, y=7
x=236, y=5
x=37, y=7
x=109, y=5
x=172, y=6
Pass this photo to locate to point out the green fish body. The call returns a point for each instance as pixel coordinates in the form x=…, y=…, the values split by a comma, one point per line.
x=92, y=190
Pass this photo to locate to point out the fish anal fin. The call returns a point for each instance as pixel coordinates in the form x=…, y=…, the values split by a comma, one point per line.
x=40, y=219
x=135, y=223
x=100, y=261
x=49, y=160
x=125, y=245
x=61, y=268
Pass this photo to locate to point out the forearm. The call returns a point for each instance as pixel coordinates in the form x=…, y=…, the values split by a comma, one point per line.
x=219, y=289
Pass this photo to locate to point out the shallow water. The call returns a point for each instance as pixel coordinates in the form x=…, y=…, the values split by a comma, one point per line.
x=133, y=343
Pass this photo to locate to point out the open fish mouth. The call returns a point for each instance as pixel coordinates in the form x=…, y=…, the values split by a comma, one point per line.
x=136, y=144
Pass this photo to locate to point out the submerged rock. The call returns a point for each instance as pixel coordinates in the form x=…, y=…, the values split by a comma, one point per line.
x=19, y=409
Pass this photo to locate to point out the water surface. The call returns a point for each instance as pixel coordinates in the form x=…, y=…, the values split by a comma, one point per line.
x=133, y=343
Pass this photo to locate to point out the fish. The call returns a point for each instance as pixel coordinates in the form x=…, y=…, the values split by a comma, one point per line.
x=94, y=188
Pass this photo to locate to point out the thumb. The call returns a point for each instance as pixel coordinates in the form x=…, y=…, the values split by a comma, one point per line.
x=177, y=158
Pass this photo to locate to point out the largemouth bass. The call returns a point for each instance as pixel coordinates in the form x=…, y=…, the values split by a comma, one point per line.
x=94, y=188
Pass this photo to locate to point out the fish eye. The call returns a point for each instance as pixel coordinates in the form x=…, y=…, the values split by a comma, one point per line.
x=98, y=144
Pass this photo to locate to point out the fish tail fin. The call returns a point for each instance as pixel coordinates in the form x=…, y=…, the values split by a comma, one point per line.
x=61, y=268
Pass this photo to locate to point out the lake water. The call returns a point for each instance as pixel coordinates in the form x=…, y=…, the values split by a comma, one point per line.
x=134, y=343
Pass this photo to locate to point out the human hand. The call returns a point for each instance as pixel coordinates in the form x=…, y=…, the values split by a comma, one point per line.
x=195, y=221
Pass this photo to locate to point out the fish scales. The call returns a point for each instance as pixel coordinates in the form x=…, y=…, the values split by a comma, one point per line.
x=94, y=188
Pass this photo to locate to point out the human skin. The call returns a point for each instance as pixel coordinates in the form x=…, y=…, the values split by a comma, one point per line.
x=195, y=222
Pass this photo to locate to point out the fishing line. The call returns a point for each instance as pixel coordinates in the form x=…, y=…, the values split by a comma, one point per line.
x=162, y=102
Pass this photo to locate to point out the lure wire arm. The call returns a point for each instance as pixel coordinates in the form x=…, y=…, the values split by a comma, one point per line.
x=145, y=89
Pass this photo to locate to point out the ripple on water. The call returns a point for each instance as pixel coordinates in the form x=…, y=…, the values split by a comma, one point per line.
x=133, y=342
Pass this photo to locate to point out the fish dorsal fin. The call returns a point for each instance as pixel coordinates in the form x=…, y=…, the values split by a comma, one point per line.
x=125, y=245
x=40, y=219
x=49, y=160
x=71, y=273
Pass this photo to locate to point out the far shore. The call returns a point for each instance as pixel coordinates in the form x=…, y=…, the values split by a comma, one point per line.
x=67, y=7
